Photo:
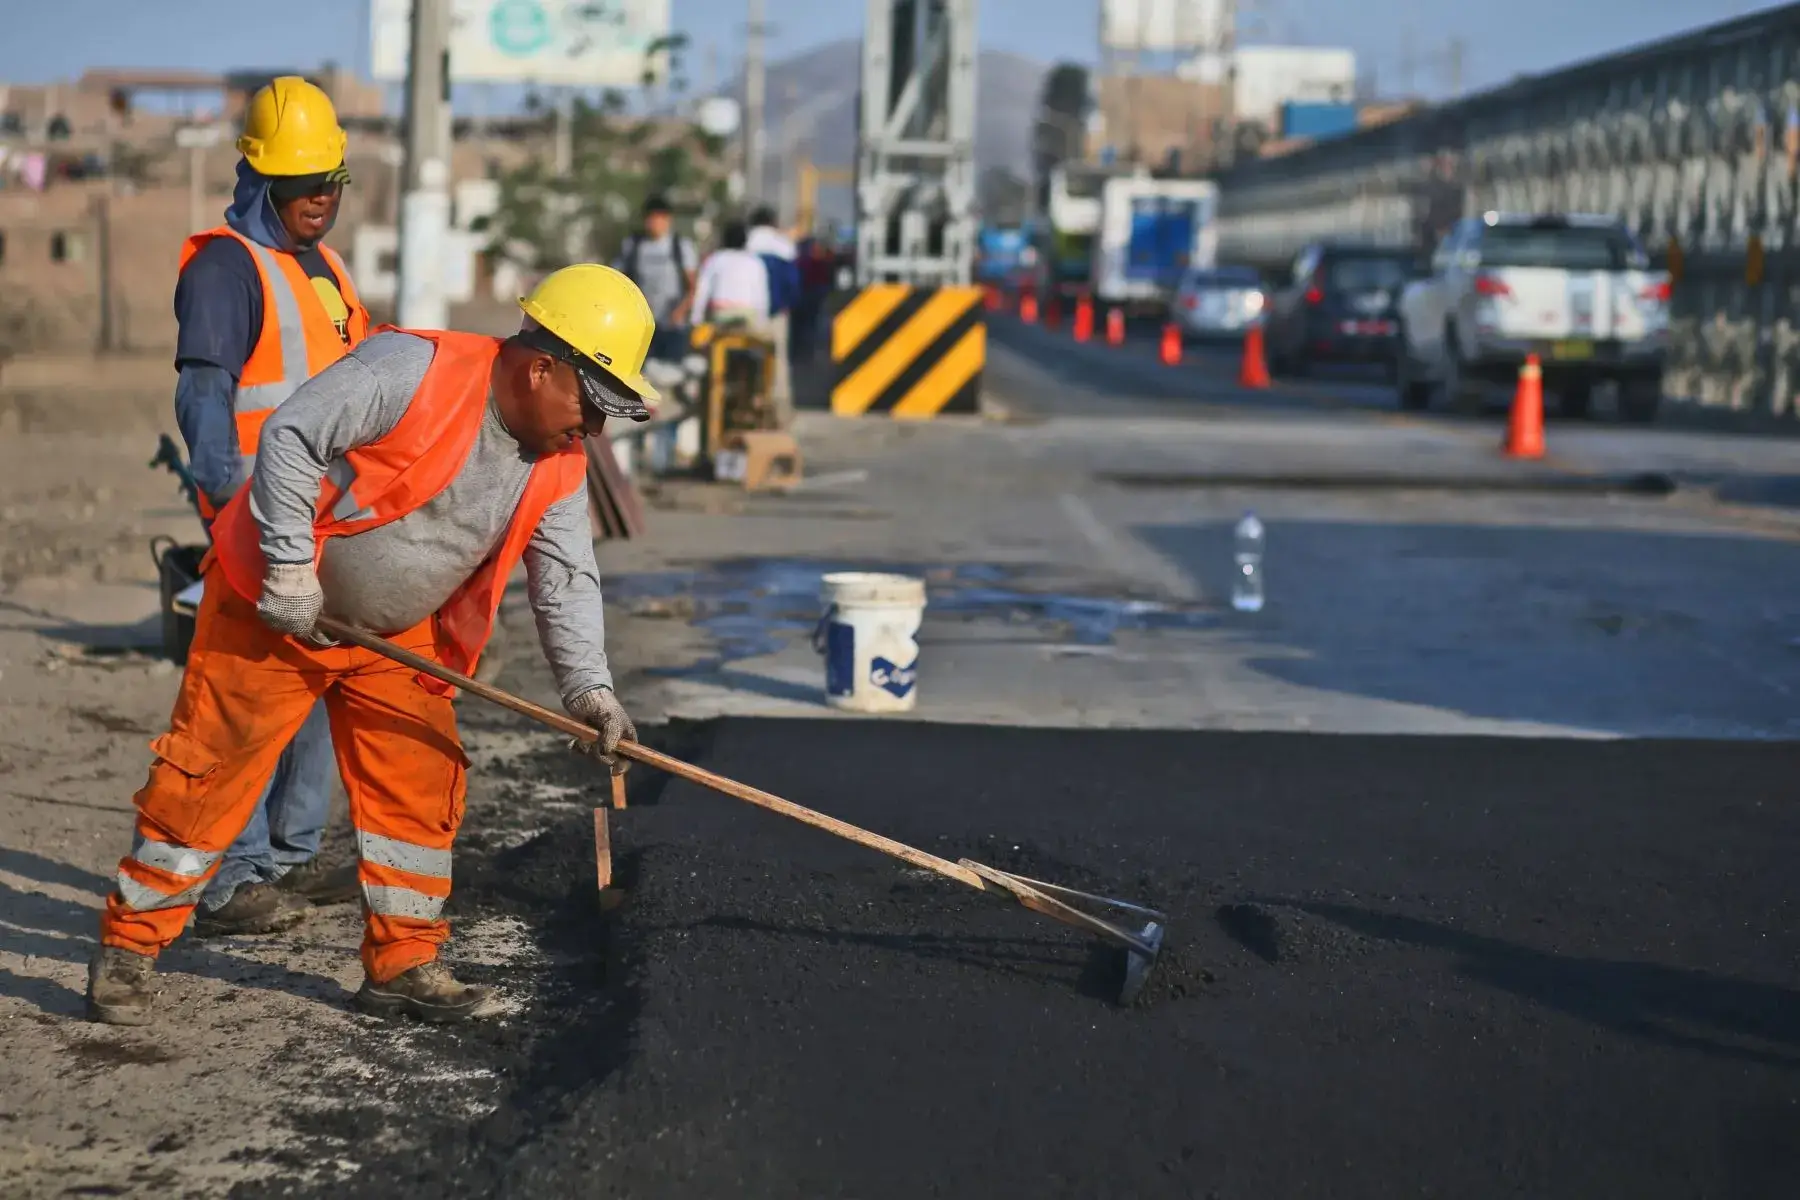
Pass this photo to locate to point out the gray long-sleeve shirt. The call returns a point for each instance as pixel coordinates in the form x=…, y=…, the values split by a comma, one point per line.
x=390, y=578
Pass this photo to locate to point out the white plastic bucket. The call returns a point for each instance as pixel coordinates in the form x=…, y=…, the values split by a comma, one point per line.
x=869, y=637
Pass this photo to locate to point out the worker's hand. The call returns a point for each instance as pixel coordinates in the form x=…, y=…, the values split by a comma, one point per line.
x=291, y=601
x=601, y=709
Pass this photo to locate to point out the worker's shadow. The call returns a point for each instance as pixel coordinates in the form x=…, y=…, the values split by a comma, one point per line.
x=1671, y=1006
x=34, y=925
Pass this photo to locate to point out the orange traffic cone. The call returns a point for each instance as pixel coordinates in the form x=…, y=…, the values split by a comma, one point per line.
x=1115, y=327
x=1525, y=431
x=990, y=296
x=1084, y=318
x=1028, y=307
x=1171, y=345
x=1254, y=372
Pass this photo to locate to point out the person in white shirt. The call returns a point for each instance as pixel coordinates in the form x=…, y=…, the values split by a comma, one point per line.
x=765, y=239
x=733, y=284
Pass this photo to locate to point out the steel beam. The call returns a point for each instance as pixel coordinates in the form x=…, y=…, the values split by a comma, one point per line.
x=915, y=183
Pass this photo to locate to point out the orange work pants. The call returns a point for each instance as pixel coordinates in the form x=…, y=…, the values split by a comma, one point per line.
x=246, y=691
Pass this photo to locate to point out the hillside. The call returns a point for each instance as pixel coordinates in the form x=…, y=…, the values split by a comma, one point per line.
x=812, y=107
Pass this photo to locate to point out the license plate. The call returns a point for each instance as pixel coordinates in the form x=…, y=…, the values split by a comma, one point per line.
x=1571, y=349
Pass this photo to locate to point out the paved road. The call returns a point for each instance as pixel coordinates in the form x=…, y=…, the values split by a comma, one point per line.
x=1428, y=966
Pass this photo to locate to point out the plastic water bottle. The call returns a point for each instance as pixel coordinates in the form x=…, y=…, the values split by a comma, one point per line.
x=1247, y=582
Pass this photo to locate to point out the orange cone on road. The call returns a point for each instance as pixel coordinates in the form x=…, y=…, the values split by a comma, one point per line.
x=1525, y=430
x=1084, y=318
x=1028, y=307
x=1171, y=345
x=1115, y=327
x=1254, y=373
x=990, y=296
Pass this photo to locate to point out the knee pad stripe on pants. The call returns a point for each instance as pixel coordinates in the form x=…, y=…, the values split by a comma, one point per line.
x=402, y=856
x=141, y=897
x=402, y=902
x=176, y=860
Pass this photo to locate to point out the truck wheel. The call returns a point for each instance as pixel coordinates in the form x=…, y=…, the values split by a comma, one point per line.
x=1639, y=400
x=1462, y=394
x=1414, y=394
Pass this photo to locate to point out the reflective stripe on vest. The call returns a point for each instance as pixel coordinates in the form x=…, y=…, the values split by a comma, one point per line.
x=400, y=472
x=300, y=342
x=188, y=870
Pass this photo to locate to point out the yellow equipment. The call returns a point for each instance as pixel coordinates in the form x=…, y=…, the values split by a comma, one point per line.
x=740, y=437
x=291, y=128
x=603, y=315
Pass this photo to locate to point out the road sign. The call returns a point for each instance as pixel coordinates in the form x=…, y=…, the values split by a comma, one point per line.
x=555, y=43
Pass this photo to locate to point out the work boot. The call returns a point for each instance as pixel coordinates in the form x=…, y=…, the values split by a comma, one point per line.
x=321, y=884
x=253, y=908
x=431, y=993
x=120, y=987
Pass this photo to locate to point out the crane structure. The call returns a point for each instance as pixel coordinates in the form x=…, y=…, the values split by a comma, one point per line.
x=915, y=163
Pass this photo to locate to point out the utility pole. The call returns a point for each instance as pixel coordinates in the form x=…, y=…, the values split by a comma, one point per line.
x=1454, y=56
x=753, y=102
x=425, y=206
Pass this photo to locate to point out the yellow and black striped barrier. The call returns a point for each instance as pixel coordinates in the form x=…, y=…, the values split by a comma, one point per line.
x=908, y=352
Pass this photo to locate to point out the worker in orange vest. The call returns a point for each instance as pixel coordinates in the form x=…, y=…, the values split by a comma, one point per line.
x=395, y=491
x=264, y=306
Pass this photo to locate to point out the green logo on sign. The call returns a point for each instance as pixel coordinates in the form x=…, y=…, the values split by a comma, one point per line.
x=519, y=27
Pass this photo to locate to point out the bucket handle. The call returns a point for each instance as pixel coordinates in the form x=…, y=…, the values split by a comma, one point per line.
x=818, y=633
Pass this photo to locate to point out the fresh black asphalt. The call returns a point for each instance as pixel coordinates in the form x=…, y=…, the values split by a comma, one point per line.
x=1397, y=966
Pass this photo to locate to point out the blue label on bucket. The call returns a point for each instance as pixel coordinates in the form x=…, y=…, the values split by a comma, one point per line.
x=898, y=680
x=840, y=659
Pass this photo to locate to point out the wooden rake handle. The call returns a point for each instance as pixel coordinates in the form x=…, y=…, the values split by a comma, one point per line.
x=638, y=752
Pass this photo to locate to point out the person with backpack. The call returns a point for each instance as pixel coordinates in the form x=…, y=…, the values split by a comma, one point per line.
x=777, y=252
x=664, y=265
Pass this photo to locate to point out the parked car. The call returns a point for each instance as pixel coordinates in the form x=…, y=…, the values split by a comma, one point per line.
x=1221, y=303
x=1575, y=290
x=1337, y=305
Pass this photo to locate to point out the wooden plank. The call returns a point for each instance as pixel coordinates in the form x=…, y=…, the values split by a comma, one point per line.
x=602, y=850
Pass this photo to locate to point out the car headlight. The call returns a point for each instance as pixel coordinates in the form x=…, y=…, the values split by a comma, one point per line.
x=1254, y=302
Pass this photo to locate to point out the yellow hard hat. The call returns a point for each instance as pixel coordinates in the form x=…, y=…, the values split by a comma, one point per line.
x=291, y=128
x=602, y=316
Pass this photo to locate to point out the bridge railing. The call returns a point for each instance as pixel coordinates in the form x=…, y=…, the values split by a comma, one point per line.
x=1693, y=141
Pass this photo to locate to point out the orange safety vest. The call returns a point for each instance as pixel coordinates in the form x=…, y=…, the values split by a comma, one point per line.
x=297, y=339
x=400, y=472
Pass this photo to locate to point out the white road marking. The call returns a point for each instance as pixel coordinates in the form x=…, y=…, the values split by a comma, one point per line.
x=1123, y=553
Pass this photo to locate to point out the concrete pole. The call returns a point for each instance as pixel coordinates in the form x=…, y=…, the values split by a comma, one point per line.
x=753, y=103
x=425, y=206
x=565, y=131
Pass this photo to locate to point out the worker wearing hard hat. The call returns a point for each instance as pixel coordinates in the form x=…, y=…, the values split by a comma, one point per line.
x=396, y=491
x=263, y=306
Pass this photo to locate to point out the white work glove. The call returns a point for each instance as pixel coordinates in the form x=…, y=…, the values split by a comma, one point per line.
x=291, y=601
x=601, y=709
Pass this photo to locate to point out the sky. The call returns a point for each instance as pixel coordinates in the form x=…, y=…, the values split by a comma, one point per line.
x=58, y=39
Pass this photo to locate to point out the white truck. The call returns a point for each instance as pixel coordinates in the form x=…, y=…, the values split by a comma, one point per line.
x=1576, y=290
x=1152, y=233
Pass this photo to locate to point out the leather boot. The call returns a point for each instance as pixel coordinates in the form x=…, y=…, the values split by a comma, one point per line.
x=121, y=987
x=253, y=908
x=320, y=884
x=431, y=993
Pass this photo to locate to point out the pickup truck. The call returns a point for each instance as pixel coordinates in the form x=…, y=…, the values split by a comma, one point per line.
x=1575, y=290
